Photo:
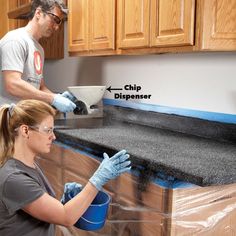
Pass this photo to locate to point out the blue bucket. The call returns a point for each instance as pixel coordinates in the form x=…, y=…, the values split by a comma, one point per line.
x=95, y=216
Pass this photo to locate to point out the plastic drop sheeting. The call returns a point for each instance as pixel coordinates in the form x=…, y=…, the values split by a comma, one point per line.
x=186, y=211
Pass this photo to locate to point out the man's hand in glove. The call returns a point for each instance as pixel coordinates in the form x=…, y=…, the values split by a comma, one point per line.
x=62, y=103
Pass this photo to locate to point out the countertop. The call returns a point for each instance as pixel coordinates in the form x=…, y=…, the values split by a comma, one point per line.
x=200, y=161
x=197, y=160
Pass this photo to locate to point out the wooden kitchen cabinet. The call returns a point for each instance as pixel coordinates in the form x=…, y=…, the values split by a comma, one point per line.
x=10, y=24
x=91, y=26
x=7, y=24
x=218, y=25
x=155, y=23
x=22, y=23
x=107, y=27
x=153, y=210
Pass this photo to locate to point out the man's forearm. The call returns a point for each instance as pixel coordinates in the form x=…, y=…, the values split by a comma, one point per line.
x=23, y=90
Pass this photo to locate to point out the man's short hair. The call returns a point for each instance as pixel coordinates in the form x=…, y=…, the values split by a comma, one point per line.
x=47, y=5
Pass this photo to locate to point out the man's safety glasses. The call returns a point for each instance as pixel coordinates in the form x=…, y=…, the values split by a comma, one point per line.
x=56, y=18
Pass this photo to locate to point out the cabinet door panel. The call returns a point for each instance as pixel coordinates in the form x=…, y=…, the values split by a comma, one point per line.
x=102, y=24
x=133, y=23
x=219, y=25
x=22, y=2
x=172, y=22
x=22, y=23
x=78, y=25
x=5, y=23
x=4, y=26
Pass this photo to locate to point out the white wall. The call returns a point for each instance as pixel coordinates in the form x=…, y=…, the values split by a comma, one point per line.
x=199, y=81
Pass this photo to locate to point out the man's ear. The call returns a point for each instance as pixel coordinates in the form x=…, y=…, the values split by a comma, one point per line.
x=37, y=13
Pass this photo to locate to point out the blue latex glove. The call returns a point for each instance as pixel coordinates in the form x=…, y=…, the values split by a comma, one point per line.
x=70, y=190
x=69, y=95
x=63, y=104
x=110, y=168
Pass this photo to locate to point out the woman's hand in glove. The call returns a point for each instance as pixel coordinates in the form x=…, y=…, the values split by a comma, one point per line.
x=70, y=190
x=110, y=168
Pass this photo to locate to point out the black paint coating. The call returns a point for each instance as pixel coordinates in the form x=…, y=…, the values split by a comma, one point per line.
x=194, y=159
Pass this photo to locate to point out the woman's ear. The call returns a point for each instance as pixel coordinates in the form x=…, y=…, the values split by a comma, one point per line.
x=24, y=131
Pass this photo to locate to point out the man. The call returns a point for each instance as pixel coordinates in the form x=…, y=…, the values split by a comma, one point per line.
x=22, y=57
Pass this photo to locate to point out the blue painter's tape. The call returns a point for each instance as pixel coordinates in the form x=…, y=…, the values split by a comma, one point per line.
x=166, y=181
x=211, y=116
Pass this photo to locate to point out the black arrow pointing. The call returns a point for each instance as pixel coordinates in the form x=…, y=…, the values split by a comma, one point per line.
x=109, y=89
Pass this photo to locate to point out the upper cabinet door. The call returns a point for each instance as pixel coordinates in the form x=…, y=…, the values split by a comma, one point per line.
x=78, y=25
x=133, y=23
x=91, y=25
x=219, y=25
x=102, y=24
x=172, y=22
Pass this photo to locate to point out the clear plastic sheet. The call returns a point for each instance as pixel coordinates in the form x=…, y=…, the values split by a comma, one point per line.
x=182, y=211
x=204, y=211
x=147, y=205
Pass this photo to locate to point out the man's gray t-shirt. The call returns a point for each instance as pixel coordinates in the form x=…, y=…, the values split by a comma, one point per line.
x=19, y=186
x=19, y=51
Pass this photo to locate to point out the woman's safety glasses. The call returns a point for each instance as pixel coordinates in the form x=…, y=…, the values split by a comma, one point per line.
x=45, y=130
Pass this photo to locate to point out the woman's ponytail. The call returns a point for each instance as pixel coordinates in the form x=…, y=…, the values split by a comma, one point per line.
x=6, y=136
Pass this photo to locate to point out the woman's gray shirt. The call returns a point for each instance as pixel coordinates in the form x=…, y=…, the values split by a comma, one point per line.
x=19, y=186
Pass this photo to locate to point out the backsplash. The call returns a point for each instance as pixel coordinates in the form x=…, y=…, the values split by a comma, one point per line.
x=188, y=125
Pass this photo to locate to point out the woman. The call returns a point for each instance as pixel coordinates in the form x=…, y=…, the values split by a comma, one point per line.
x=27, y=201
